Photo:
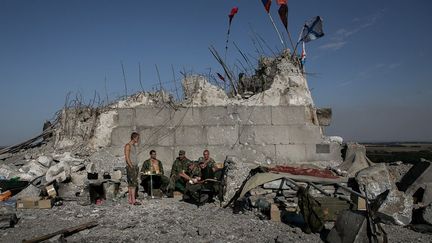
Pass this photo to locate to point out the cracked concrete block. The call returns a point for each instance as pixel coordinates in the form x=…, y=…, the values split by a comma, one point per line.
x=152, y=116
x=305, y=134
x=264, y=135
x=156, y=136
x=222, y=135
x=125, y=117
x=79, y=179
x=45, y=160
x=120, y=136
x=246, y=135
x=271, y=135
x=290, y=153
x=34, y=169
x=186, y=116
x=217, y=115
x=288, y=115
x=251, y=115
x=396, y=208
x=375, y=179
x=191, y=135
x=59, y=172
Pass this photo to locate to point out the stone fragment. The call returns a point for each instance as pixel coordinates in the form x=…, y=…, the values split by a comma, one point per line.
x=77, y=168
x=427, y=214
x=79, y=179
x=349, y=227
x=30, y=191
x=355, y=160
x=91, y=168
x=417, y=177
x=375, y=179
x=396, y=208
x=59, y=172
x=46, y=161
x=33, y=169
x=6, y=171
x=116, y=175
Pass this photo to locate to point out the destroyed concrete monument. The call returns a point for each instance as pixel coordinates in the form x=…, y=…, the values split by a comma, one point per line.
x=278, y=125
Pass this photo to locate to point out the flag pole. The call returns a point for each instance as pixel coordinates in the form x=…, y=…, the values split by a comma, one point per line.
x=277, y=31
x=299, y=40
x=226, y=43
x=289, y=34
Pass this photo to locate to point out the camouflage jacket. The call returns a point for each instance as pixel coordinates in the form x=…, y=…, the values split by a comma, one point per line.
x=179, y=166
x=147, y=166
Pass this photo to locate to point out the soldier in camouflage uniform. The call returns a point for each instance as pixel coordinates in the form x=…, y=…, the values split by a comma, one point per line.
x=208, y=172
x=179, y=175
x=153, y=166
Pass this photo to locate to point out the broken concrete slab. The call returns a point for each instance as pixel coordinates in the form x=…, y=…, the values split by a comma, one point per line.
x=324, y=116
x=8, y=220
x=427, y=194
x=417, y=177
x=355, y=160
x=396, y=208
x=59, y=172
x=46, y=161
x=67, y=190
x=6, y=171
x=29, y=191
x=33, y=169
x=116, y=175
x=375, y=180
x=79, y=179
x=352, y=227
x=426, y=214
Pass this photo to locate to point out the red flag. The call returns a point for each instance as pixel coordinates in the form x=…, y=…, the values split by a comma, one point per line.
x=280, y=2
x=220, y=76
x=283, y=14
x=267, y=5
x=232, y=13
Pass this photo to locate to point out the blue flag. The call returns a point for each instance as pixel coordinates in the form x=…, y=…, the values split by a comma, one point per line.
x=312, y=30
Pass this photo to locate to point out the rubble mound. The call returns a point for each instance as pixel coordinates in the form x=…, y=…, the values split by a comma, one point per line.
x=277, y=81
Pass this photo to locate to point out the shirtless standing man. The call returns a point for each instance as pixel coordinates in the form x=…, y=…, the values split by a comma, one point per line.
x=131, y=156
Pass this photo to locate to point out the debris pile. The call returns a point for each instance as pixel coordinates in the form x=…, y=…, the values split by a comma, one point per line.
x=277, y=81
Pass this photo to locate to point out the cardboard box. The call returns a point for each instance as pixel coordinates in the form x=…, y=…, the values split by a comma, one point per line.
x=27, y=203
x=275, y=213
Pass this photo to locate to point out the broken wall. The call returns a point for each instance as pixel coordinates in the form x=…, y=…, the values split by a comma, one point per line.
x=255, y=134
x=277, y=125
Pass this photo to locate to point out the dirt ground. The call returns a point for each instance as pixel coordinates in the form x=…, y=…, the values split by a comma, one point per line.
x=166, y=220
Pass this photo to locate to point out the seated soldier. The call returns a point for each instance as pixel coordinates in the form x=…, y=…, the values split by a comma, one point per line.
x=152, y=174
x=209, y=170
x=208, y=181
x=179, y=175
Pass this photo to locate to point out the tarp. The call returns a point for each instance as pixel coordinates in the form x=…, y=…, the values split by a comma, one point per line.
x=262, y=178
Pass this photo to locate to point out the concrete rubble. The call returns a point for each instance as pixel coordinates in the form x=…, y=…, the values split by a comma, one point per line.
x=59, y=172
x=270, y=129
x=374, y=180
x=397, y=207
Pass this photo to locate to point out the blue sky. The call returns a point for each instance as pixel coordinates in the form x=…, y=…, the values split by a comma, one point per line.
x=372, y=67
